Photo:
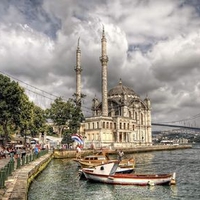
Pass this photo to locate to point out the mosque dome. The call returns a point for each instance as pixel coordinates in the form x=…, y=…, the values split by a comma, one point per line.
x=121, y=89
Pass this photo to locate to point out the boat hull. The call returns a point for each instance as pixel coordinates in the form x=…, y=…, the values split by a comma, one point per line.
x=130, y=179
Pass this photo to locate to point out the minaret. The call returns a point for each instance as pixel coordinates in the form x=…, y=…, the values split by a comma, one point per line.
x=104, y=62
x=78, y=70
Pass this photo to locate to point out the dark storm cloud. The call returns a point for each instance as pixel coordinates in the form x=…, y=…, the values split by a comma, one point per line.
x=153, y=46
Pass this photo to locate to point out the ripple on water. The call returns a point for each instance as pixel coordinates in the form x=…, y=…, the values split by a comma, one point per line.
x=59, y=181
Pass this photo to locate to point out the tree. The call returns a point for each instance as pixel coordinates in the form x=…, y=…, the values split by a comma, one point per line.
x=13, y=101
x=59, y=112
x=39, y=121
x=65, y=115
x=73, y=124
x=76, y=119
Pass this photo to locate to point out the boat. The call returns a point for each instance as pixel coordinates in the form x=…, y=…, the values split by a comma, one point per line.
x=106, y=173
x=102, y=158
x=124, y=170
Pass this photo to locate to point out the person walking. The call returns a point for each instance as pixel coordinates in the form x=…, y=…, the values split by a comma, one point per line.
x=120, y=155
x=78, y=152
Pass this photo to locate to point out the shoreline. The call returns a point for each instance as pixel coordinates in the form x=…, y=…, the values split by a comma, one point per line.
x=62, y=153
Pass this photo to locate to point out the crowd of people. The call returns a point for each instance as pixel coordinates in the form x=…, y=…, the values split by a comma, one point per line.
x=19, y=151
x=12, y=151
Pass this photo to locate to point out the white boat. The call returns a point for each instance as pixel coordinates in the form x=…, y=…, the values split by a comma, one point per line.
x=107, y=174
x=127, y=170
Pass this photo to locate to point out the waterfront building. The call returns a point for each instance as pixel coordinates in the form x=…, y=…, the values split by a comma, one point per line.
x=121, y=119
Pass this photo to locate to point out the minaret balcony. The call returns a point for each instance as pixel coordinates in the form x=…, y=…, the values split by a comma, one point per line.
x=104, y=58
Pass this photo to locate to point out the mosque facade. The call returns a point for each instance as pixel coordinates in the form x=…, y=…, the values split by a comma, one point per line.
x=121, y=119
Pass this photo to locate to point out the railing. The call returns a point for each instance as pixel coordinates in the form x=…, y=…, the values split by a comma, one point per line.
x=16, y=163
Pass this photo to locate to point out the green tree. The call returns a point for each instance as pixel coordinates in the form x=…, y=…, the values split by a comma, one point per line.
x=73, y=123
x=76, y=119
x=39, y=121
x=65, y=115
x=26, y=117
x=59, y=113
x=12, y=105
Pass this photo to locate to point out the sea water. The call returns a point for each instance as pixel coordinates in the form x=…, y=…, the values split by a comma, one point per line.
x=60, y=180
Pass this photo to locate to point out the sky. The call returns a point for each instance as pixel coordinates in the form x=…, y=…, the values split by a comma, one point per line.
x=153, y=47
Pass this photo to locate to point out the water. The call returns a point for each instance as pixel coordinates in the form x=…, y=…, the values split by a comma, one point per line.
x=59, y=181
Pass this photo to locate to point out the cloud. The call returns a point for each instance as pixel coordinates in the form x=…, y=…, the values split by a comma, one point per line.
x=152, y=45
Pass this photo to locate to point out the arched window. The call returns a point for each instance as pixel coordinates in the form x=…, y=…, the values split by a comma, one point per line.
x=103, y=124
x=142, y=119
x=110, y=125
x=107, y=125
x=136, y=115
x=129, y=114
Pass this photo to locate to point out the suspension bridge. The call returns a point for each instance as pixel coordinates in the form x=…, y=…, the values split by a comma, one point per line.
x=176, y=126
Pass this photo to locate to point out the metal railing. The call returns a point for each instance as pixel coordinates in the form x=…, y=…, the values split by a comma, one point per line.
x=16, y=163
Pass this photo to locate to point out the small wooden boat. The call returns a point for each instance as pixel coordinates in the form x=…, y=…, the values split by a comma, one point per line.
x=127, y=170
x=98, y=159
x=107, y=174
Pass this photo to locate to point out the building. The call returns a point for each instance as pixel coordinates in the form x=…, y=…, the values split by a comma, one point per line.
x=121, y=119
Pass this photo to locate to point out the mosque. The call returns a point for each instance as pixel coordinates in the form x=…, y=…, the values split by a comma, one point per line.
x=121, y=119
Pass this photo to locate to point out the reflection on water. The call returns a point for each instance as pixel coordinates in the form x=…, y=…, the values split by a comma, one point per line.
x=60, y=181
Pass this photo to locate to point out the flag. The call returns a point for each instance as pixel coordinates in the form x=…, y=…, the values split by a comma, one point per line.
x=77, y=138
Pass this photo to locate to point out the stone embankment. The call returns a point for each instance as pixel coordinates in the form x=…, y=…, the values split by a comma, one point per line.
x=60, y=153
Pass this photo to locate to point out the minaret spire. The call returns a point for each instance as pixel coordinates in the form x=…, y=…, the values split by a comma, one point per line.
x=78, y=70
x=104, y=62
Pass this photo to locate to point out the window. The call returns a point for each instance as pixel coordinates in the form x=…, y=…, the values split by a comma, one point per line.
x=142, y=119
x=103, y=124
x=135, y=115
x=107, y=125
